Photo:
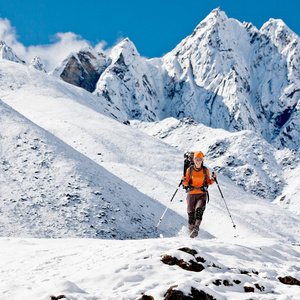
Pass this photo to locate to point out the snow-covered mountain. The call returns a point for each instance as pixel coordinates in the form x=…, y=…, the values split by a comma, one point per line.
x=244, y=157
x=123, y=78
x=225, y=75
x=37, y=64
x=7, y=53
x=78, y=119
x=232, y=76
x=71, y=167
x=128, y=83
x=41, y=174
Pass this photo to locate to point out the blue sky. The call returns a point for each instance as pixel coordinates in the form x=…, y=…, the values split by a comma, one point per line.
x=155, y=27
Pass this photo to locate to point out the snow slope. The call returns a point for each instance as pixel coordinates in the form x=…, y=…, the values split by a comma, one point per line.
x=69, y=169
x=244, y=157
x=75, y=119
x=50, y=190
x=104, y=269
x=148, y=164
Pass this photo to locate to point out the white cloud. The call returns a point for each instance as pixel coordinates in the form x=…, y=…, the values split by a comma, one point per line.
x=101, y=46
x=52, y=54
x=7, y=32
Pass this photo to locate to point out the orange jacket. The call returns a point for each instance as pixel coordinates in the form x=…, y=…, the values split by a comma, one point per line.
x=197, y=179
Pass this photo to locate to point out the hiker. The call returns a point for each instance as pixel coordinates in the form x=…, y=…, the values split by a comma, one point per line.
x=196, y=186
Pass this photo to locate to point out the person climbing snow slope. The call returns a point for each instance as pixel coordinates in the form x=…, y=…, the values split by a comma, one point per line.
x=196, y=182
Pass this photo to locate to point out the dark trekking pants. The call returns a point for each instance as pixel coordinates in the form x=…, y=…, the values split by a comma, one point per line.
x=195, y=209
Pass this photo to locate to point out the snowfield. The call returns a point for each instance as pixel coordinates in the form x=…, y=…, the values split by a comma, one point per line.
x=106, y=269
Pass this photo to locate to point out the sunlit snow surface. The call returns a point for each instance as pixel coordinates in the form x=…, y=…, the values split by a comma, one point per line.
x=99, y=187
x=107, y=269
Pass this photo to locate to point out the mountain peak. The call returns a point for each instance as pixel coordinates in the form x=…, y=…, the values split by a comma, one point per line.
x=216, y=17
x=217, y=12
x=126, y=49
x=126, y=44
x=36, y=63
x=7, y=53
x=273, y=25
x=83, y=68
x=278, y=32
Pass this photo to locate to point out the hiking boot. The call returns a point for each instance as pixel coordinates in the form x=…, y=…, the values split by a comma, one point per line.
x=191, y=228
x=194, y=233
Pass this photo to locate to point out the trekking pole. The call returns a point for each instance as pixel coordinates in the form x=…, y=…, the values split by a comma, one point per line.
x=224, y=201
x=168, y=205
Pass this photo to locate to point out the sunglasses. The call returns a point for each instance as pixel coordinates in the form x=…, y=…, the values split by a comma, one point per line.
x=198, y=159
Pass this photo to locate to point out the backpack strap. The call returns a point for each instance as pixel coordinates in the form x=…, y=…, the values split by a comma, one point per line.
x=205, y=177
x=190, y=178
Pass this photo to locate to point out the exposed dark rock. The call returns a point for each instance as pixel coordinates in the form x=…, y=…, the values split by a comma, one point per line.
x=283, y=117
x=217, y=282
x=227, y=283
x=146, y=297
x=120, y=67
x=194, y=294
x=188, y=250
x=58, y=297
x=261, y=288
x=215, y=266
x=191, y=266
x=289, y=280
x=193, y=252
x=81, y=72
x=249, y=289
